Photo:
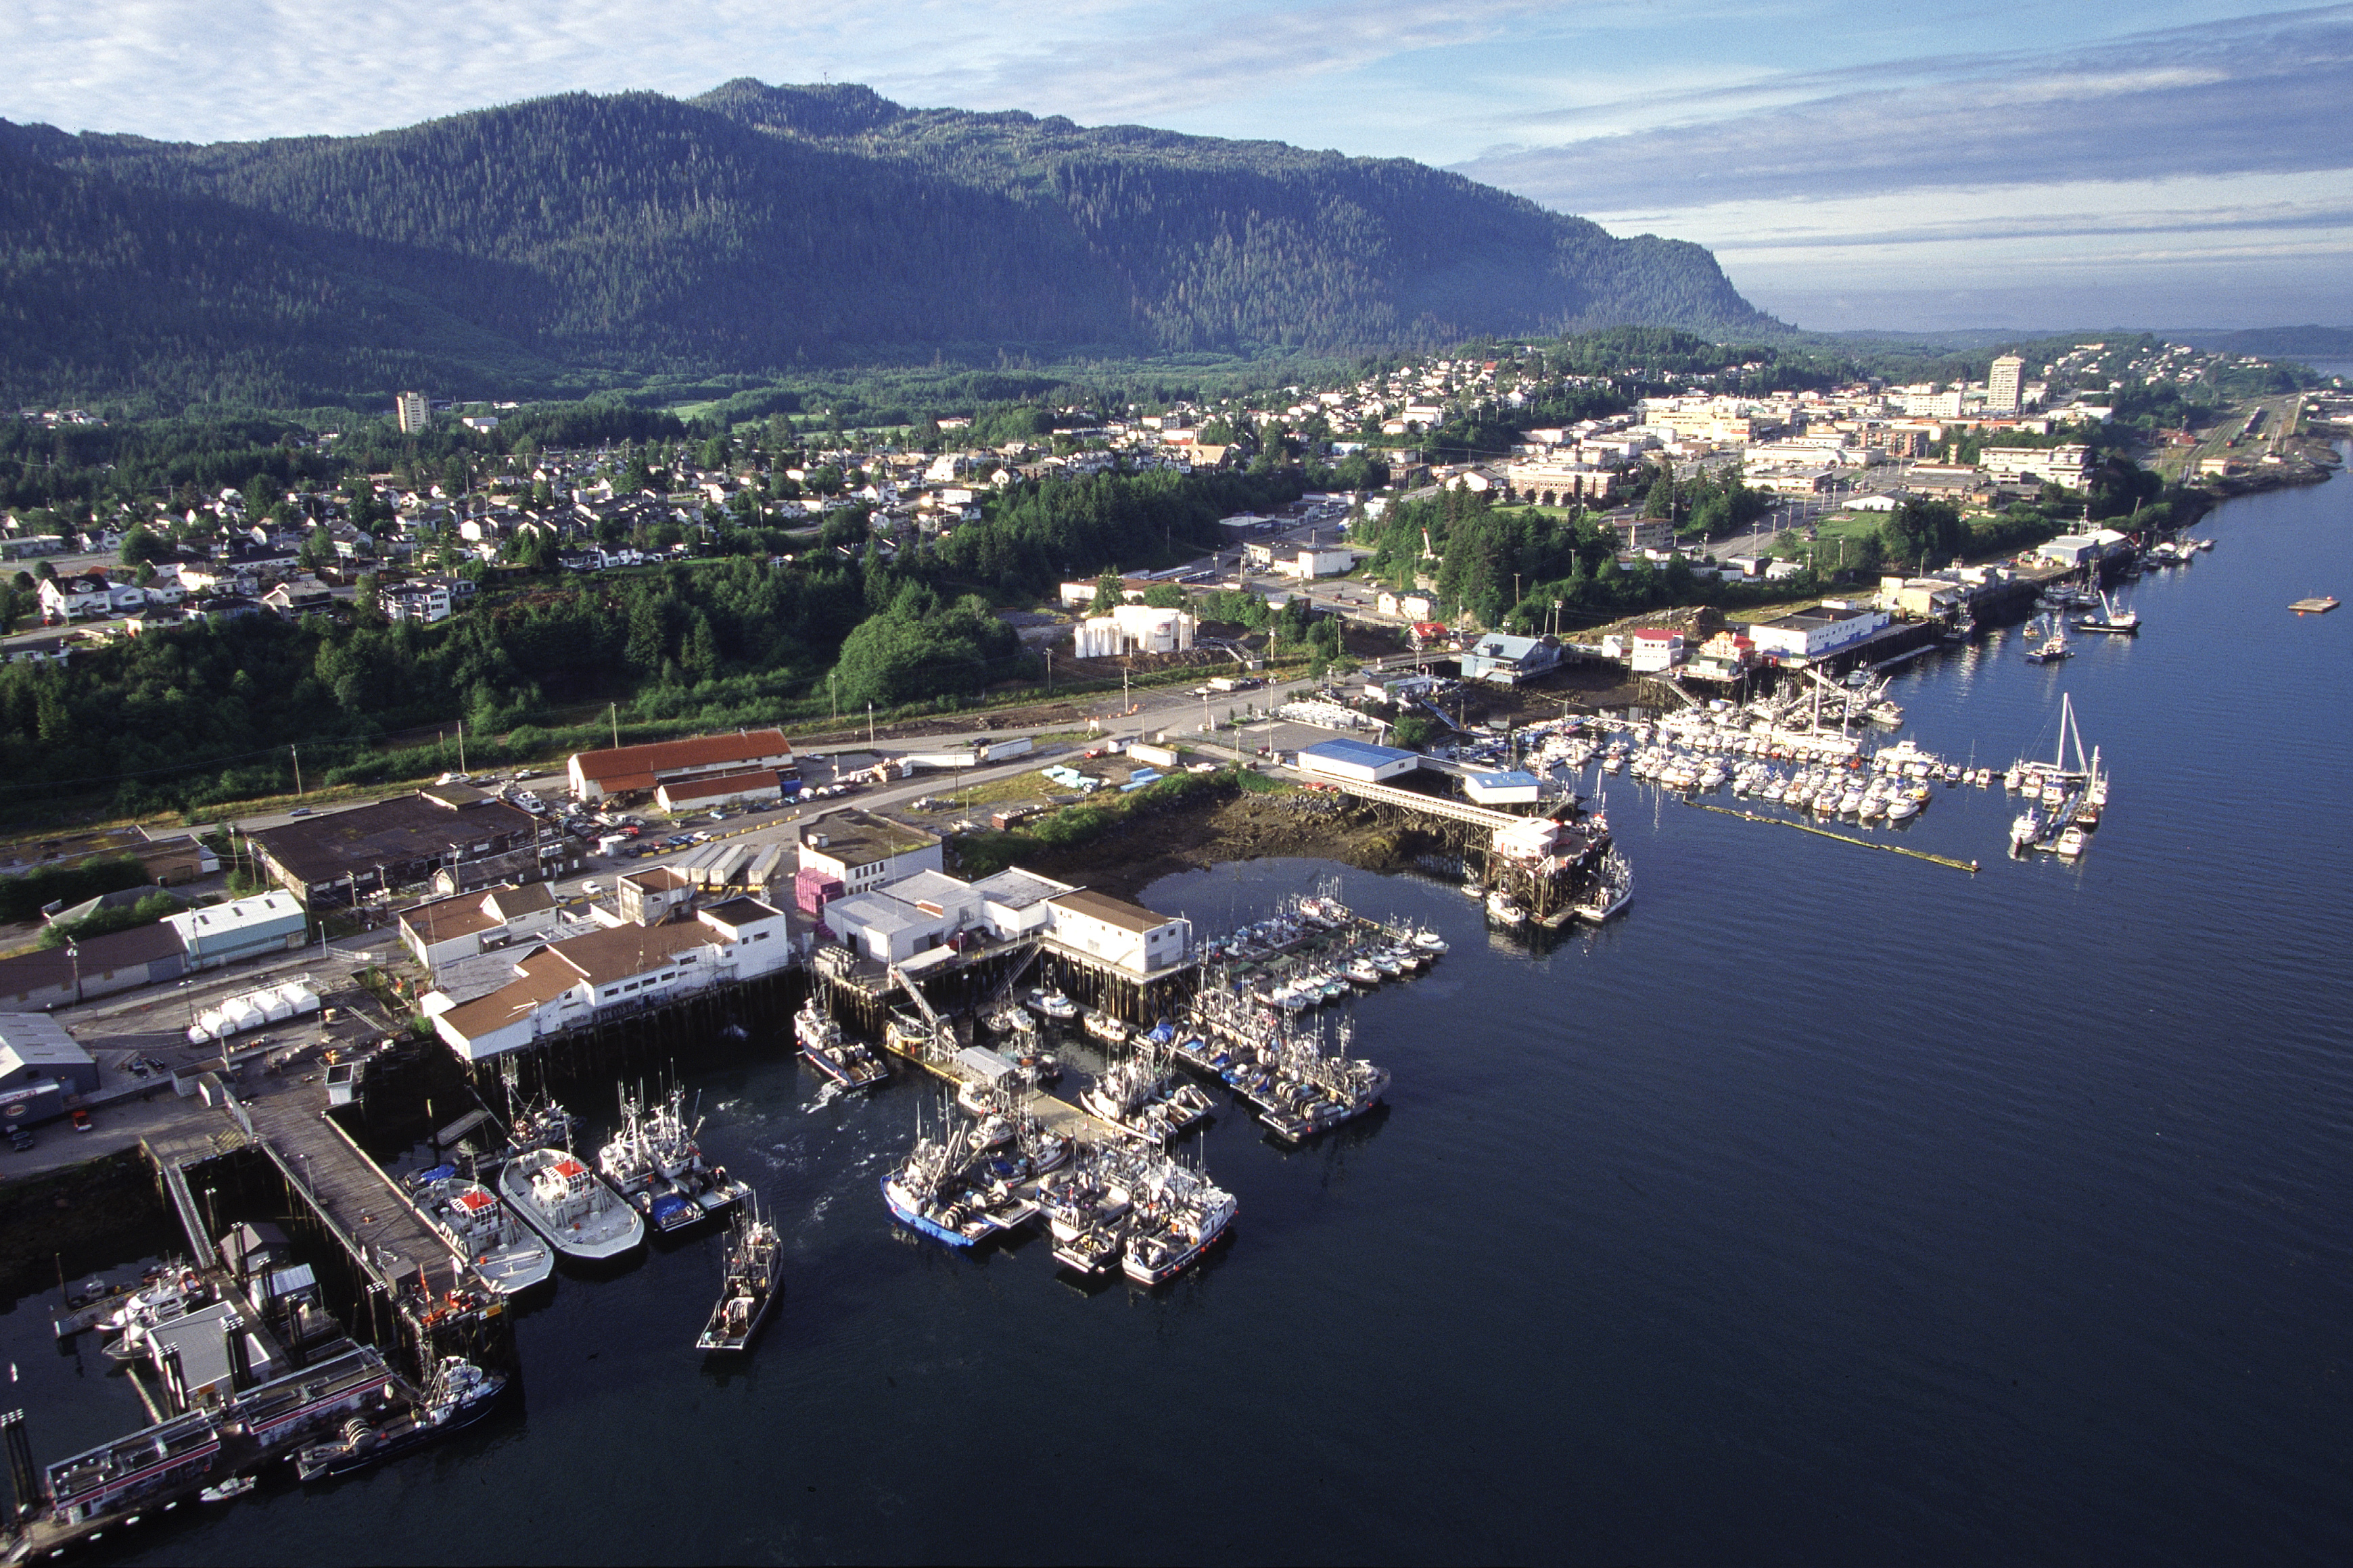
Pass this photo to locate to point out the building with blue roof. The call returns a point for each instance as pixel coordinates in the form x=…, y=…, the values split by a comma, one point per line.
x=1357, y=762
x=1515, y=787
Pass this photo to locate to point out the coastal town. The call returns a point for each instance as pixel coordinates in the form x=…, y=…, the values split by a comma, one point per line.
x=370, y=1005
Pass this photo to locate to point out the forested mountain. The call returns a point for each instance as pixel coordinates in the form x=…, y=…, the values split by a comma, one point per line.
x=756, y=228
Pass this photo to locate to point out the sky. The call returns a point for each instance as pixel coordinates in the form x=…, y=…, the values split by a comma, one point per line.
x=1889, y=165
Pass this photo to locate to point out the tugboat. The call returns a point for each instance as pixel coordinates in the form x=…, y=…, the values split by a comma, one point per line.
x=459, y=1394
x=754, y=1249
x=846, y=1061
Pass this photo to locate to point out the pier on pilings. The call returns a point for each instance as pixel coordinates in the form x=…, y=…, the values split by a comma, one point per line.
x=1487, y=841
x=633, y=1037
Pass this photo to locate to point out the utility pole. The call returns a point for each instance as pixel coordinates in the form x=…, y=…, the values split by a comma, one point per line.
x=1049, y=672
x=833, y=692
x=870, y=723
x=461, y=745
x=295, y=752
x=614, y=710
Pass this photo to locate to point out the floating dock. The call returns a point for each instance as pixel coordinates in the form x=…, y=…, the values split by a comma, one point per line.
x=2314, y=606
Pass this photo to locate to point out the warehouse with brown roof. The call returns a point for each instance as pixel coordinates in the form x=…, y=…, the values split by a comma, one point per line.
x=634, y=770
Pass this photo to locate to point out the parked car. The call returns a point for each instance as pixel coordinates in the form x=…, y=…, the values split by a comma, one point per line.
x=81, y=1120
x=20, y=1138
x=300, y=811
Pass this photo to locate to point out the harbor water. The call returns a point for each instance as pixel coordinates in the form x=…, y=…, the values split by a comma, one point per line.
x=1829, y=1208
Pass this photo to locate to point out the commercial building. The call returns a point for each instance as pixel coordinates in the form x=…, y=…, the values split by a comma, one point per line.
x=448, y=929
x=861, y=850
x=761, y=786
x=1548, y=482
x=1504, y=659
x=93, y=967
x=1652, y=650
x=1127, y=937
x=40, y=1067
x=452, y=834
x=616, y=971
x=2005, y=385
x=1357, y=762
x=244, y=928
x=2075, y=549
x=2067, y=465
x=1514, y=788
x=413, y=411
x=640, y=770
x=1804, y=635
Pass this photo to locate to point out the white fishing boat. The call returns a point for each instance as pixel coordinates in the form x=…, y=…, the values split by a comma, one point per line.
x=2073, y=841
x=1505, y=910
x=2108, y=618
x=561, y=1199
x=1049, y=1002
x=504, y=1252
x=1178, y=1216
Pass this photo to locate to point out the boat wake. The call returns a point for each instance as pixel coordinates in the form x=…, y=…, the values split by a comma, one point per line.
x=826, y=1096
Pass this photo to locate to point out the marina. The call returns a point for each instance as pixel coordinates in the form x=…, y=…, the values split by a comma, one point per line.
x=1747, y=1168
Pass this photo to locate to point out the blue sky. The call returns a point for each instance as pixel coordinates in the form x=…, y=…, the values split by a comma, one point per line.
x=2180, y=162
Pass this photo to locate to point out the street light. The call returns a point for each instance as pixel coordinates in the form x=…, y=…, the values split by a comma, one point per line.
x=73, y=952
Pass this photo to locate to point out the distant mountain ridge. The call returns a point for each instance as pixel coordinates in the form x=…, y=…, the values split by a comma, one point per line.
x=751, y=230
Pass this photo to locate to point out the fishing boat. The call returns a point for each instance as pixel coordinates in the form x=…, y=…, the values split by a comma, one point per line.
x=223, y=1491
x=2073, y=841
x=1104, y=1028
x=1049, y=1002
x=1178, y=1216
x=502, y=1250
x=848, y=1062
x=459, y=1394
x=1612, y=890
x=2108, y=618
x=2053, y=647
x=562, y=1200
x=1505, y=910
x=754, y=1251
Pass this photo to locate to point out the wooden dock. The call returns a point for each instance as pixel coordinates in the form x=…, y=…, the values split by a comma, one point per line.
x=363, y=1208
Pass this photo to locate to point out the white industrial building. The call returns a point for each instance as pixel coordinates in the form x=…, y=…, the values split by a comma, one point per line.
x=861, y=850
x=1654, y=650
x=619, y=969
x=244, y=928
x=1515, y=787
x=1357, y=762
x=1127, y=937
x=1812, y=634
x=2065, y=466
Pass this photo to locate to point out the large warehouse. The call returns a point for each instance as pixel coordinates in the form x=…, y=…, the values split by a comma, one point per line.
x=1357, y=762
x=453, y=830
x=640, y=770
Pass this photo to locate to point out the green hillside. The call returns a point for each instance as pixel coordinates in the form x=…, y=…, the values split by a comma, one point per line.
x=576, y=241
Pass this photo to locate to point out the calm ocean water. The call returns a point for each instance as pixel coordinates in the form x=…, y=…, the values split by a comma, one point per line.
x=1831, y=1207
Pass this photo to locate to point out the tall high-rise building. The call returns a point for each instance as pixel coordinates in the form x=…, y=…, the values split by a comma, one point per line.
x=2002, y=385
x=413, y=412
